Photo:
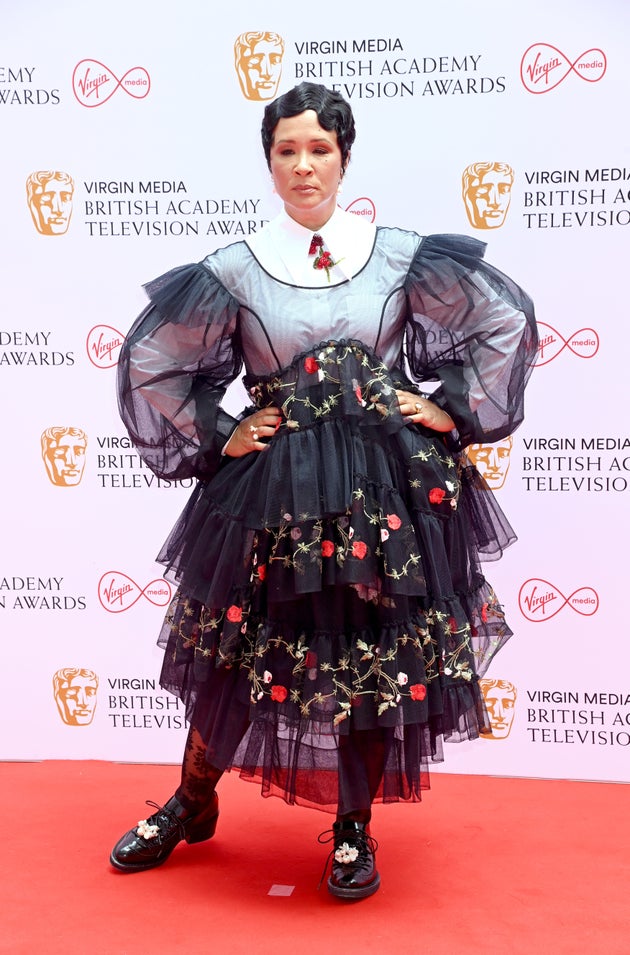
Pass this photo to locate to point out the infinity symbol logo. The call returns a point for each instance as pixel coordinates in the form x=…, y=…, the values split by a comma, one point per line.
x=93, y=83
x=584, y=343
x=118, y=592
x=543, y=67
x=539, y=600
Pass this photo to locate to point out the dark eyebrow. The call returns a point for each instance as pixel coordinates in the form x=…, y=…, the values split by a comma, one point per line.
x=312, y=142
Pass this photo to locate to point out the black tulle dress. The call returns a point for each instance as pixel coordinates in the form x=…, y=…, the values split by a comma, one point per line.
x=331, y=619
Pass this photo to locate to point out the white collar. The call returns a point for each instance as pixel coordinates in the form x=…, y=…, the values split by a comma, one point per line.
x=282, y=248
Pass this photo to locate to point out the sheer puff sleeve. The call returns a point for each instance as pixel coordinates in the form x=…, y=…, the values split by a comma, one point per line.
x=472, y=329
x=174, y=368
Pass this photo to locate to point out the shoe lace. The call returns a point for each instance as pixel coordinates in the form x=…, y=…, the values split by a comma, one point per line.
x=161, y=816
x=358, y=839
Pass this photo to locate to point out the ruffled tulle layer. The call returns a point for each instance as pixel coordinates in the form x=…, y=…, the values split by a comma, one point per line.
x=329, y=589
x=280, y=690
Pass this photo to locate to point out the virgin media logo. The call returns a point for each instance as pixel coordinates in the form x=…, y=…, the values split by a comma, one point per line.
x=543, y=67
x=364, y=208
x=103, y=346
x=93, y=83
x=118, y=592
x=583, y=344
x=540, y=601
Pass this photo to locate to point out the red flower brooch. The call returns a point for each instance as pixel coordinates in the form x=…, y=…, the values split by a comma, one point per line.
x=323, y=260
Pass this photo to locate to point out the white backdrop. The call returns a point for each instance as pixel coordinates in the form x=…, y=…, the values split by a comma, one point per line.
x=140, y=106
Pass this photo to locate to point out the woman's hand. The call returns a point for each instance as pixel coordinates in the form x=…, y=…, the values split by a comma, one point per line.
x=248, y=434
x=422, y=411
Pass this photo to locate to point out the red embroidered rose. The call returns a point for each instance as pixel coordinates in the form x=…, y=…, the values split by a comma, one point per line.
x=436, y=495
x=418, y=691
x=324, y=261
x=393, y=522
x=310, y=365
x=484, y=613
x=279, y=693
x=328, y=548
x=452, y=624
x=359, y=394
x=234, y=614
x=359, y=549
x=310, y=660
x=262, y=571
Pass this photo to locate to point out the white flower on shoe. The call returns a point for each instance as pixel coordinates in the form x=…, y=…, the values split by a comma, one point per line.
x=346, y=853
x=147, y=831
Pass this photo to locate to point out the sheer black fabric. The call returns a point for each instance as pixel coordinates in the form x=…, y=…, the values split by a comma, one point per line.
x=461, y=333
x=185, y=354
x=331, y=610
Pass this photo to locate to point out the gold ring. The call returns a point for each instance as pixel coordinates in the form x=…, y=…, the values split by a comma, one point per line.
x=419, y=408
x=254, y=434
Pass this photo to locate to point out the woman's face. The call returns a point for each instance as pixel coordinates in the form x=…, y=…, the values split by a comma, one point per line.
x=306, y=168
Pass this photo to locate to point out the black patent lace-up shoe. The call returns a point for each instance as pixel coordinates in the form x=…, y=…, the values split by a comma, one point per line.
x=152, y=842
x=354, y=874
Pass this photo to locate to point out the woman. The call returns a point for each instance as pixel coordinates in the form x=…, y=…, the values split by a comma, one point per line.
x=331, y=619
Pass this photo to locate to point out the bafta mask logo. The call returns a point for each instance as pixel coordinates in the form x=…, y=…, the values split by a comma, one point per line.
x=487, y=190
x=500, y=697
x=75, y=695
x=49, y=196
x=492, y=461
x=258, y=63
x=63, y=451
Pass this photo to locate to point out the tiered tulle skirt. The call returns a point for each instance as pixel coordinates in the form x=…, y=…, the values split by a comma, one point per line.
x=331, y=619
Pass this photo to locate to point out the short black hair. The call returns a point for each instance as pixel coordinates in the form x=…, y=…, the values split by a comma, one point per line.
x=333, y=114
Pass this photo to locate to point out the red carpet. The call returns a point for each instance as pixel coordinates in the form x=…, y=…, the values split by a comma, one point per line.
x=482, y=865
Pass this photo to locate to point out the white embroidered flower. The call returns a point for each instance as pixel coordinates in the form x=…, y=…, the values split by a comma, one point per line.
x=384, y=534
x=450, y=486
x=147, y=831
x=346, y=853
x=267, y=677
x=402, y=679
